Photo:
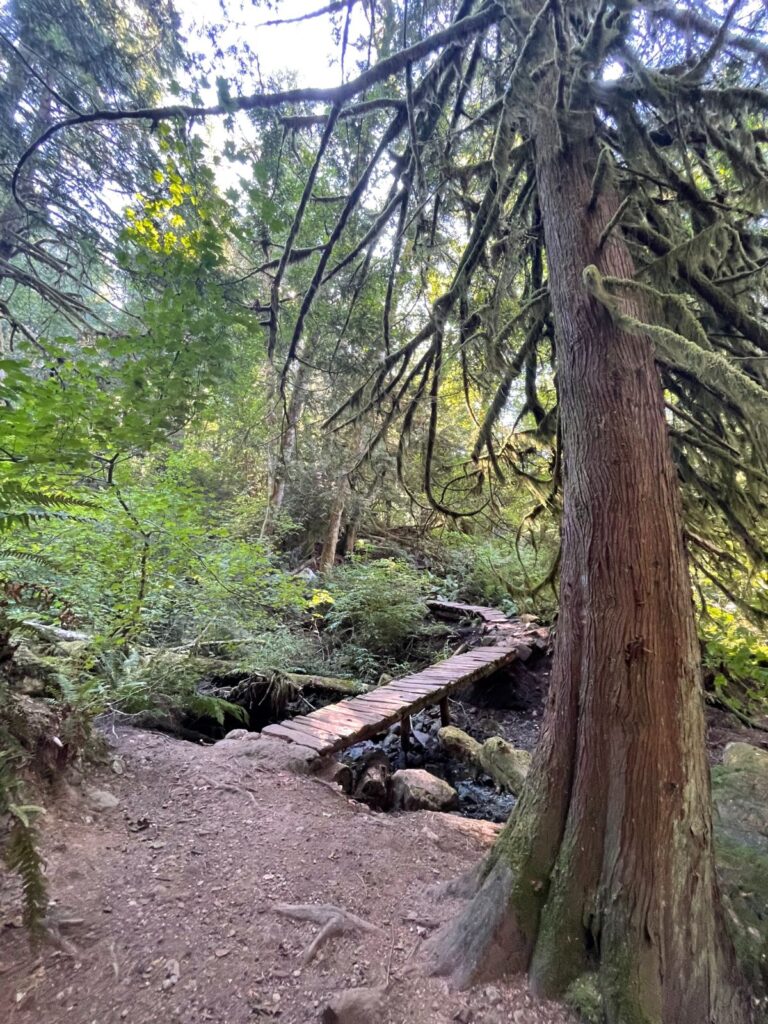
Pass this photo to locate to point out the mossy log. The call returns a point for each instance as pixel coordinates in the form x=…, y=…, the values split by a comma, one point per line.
x=331, y=683
x=459, y=744
x=506, y=765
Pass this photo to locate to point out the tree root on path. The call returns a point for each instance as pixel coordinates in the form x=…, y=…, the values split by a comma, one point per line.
x=334, y=921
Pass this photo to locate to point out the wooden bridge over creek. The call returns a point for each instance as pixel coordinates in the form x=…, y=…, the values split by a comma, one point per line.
x=501, y=641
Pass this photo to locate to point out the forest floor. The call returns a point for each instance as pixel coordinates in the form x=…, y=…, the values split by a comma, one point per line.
x=164, y=904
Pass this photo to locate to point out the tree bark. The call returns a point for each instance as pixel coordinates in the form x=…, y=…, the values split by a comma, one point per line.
x=335, y=518
x=285, y=449
x=606, y=864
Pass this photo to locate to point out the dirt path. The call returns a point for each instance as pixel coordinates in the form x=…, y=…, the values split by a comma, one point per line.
x=166, y=901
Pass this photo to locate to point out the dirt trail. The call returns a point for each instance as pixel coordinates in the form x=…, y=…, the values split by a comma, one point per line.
x=166, y=901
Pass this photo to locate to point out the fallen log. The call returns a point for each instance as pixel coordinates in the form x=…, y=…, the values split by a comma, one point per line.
x=505, y=764
x=331, y=683
x=459, y=744
x=48, y=632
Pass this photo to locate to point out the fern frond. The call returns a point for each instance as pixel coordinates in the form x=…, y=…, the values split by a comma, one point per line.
x=23, y=857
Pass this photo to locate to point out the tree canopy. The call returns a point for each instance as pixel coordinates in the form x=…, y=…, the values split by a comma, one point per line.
x=415, y=191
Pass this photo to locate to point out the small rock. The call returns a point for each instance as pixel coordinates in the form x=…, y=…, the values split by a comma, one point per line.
x=236, y=734
x=101, y=799
x=493, y=995
x=414, y=789
x=355, y=1006
x=221, y=953
x=172, y=973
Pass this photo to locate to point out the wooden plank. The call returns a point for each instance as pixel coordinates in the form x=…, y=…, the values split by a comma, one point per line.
x=340, y=727
x=465, y=663
x=485, y=654
x=373, y=699
x=388, y=708
x=427, y=680
x=315, y=732
x=451, y=675
x=413, y=691
x=445, y=713
x=303, y=734
x=284, y=733
x=424, y=685
x=316, y=725
x=349, y=727
x=405, y=733
x=351, y=717
x=428, y=686
x=367, y=711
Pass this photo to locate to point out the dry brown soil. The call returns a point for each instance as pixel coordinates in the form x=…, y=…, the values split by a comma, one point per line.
x=164, y=906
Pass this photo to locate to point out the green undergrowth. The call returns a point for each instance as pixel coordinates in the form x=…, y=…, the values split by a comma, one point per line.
x=735, y=655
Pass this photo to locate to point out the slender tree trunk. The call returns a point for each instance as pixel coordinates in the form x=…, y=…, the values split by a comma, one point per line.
x=350, y=535
x=285, y=449
x=607, y=862
x=331, y=542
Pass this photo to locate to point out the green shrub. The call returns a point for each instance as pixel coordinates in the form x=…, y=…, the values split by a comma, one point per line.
x=19, y=839
x=497, y=572
x=736, y=656
x=163, y=682
x=377, y=606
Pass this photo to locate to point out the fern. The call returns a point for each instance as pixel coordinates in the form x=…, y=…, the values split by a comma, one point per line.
x=25, y=503
x=23, y=857
x=21, y=842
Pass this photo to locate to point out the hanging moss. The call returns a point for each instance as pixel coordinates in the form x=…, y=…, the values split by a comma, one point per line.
x=675, y=350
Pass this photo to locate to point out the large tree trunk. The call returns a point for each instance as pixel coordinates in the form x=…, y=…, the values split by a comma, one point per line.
x=607, y=862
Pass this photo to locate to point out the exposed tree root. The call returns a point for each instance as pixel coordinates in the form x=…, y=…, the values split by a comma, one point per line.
x=334, y=921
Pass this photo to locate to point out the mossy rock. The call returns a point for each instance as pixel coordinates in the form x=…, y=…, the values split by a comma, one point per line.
x=740, y=796
x=743, y=877
x=36, y=675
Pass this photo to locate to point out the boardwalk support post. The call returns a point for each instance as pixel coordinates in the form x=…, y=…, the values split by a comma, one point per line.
x=445, y=713
x=405, y=733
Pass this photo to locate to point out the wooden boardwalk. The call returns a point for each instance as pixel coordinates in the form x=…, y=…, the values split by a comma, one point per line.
x=341, y=725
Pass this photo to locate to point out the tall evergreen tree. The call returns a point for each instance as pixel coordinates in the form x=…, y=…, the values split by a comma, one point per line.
x=607, y=161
